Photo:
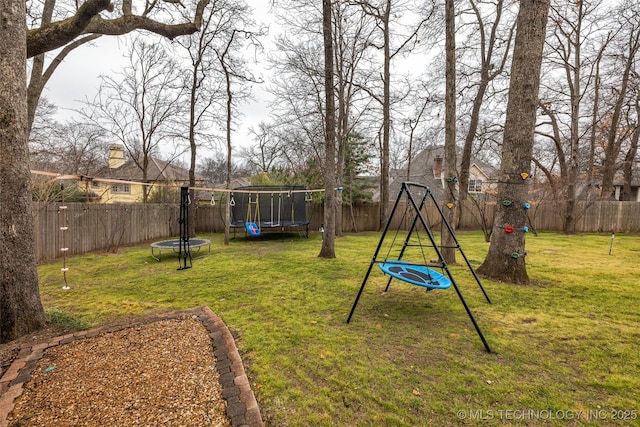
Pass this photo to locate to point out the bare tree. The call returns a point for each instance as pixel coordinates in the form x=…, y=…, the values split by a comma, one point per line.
x=493, y=49
x=75, y=35
x=420, y=103
x=216, y=170
x=44, y=125
x=450, y=148
x=21, y=310
x=329, y=237
x=204, y=91
x=352, y=33
x=86, y=19
x=73, y=148
x=629, y=164
x=40, y=75
x=574, y=27
x=299, y=87
x=628, y=15
x=383, y=12
x=214, y=61
x=266, y=152
x=139, y=109
x=505, y=260
x=298, y=113
x=233, y=69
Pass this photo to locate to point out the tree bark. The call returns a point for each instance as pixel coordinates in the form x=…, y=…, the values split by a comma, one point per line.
x=53, y=35
x=450, y=155
x=192, y=148
x=87, y=20
x=329, y=237
x=229, y=107
x=505, y=260
x=386, y=119
x=21, y=310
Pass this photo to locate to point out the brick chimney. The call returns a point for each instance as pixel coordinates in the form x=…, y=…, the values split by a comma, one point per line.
x=437, y=167
x=116, y=156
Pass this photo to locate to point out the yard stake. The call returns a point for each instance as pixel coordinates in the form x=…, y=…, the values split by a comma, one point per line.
x=613, y=236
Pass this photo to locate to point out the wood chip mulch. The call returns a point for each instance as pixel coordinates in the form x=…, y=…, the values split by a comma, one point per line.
x=175, y=369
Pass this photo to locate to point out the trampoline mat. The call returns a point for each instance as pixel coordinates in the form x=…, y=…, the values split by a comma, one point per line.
x=415, y=274
x=174, y=244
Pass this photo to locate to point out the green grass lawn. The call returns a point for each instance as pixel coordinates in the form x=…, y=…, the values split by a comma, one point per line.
x=564, y=346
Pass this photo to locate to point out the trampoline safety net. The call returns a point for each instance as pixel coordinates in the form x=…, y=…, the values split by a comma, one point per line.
x=269, y=206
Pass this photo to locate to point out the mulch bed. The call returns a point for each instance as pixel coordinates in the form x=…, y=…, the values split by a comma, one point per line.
x=178, y=368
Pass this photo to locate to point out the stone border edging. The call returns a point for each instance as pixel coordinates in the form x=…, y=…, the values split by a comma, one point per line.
x=242, y=406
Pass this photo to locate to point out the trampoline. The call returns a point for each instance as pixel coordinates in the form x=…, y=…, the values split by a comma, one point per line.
x=174, y=246
x=419, y=275
x=258, y=208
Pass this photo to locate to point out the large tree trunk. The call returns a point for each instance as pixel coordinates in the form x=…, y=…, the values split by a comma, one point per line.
x=342, y=133
x=450, y=160
x=505, y=260
x=21, y=311
x=193, y=149
x=386, y=119
x=227, y=75
x=574, y=78
x=328, y=242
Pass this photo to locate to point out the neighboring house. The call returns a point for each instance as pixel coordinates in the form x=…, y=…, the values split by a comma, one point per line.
x=161, y=174
x=427, y=168
x=618, y=184
x=590, y=189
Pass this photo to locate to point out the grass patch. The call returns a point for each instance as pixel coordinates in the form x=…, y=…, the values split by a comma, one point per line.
x=66, y=320
x=568, y=342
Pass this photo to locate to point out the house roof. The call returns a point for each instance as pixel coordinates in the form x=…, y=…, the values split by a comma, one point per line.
x=157, y=171
x=422, y=171
x=618, y=179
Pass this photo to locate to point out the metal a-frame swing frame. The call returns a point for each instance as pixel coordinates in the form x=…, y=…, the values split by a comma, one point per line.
x=184, y=253
x=428, y=195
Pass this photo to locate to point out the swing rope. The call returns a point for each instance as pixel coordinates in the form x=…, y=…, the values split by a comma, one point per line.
x=417, y=274
x=395, y=236
x=252, y=223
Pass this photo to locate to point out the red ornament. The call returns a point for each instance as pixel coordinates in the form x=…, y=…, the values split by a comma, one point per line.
x=508, y=229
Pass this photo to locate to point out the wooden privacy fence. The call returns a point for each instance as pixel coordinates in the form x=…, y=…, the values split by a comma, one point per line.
x=94, y=227
x=100, y=227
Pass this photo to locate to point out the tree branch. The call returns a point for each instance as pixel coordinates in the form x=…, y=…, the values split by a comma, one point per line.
x=57, y=34
x=88, y=21
x=127, y=24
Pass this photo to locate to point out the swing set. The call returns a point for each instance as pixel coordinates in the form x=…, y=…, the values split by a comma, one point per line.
x=420, y=272
x=256, y=208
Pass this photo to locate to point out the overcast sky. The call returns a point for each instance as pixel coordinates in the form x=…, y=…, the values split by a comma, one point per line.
x=77, y=78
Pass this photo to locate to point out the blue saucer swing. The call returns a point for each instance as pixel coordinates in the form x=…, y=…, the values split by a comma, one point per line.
x=252, y=228
x=416, y=274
